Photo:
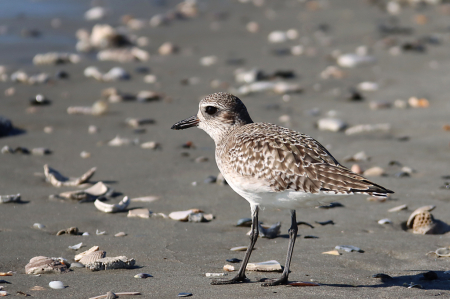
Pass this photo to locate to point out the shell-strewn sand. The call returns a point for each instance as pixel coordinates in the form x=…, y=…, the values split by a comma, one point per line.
x=178, y=254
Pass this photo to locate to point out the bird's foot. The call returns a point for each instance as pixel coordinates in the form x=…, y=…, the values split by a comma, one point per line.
x=236, y=279
x=275, y=282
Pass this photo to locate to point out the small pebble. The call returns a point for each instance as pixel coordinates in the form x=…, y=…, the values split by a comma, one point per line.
x=142, y=275
x=56, y=284
x=234, y=260
x=374, y=171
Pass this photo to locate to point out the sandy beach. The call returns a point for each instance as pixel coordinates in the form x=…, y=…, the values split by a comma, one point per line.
x=407, y=63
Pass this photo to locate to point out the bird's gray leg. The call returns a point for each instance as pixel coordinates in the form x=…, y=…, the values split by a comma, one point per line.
x=292, y=236
x=240, y=277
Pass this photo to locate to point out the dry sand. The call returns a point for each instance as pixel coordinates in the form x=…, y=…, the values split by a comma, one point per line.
x=178, y=254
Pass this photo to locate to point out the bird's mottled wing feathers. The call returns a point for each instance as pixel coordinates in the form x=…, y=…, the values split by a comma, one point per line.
x=288, y=160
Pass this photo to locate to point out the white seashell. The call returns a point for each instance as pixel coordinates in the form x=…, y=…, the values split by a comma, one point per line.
x=398, y=208
x=77, y=246
x=247, y=76
x=95, y=13
x=145, y=199
x=97, y=190
x=239, y=248
x=252, y=27
x=3, y=293
x=331, y=124
x=116, y=74
x=85, y=234
x=385, y=221
x=56, y=284
x=150, y=145
x=82, y=254
x=93, y=72
x=228, y=268
x=368, y=129
x=214, y=274
x=208, y=60
x=99, y=233
x=93, y=129
x=43, y=265
x=120, y=234
x=368, y=86
x=150, y=79
x=92, y=257
x=19, y=76
x=56, y=179
x=354, y=60
x=119, y=141
x=277, y=37
x=10, y=198
x=85, y=154
x=183, y=215
x=267, y=266
x=112, y=208
x=38, y=226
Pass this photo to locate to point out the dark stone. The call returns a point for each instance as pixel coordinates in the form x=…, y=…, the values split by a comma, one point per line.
x=6, y=126
x=234, y=260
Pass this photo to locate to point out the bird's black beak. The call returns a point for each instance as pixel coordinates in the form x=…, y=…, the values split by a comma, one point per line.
x=186, y=123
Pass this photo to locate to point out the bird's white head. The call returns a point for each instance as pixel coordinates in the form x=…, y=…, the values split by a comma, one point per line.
x=218, y=114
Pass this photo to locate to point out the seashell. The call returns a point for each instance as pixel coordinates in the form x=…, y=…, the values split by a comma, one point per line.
x=92, y=257
x=214, y=274
x=139, y=213
x=147, y=96
x=69, y=231
x=109, y=263
x=239, y=248
x=418, y=103
x=410, y=221
x=183, y=215
x=137, y=122
x=200, y=217
x=228, y=268
x=39, y=100
x=120, y=234
x=268, y=266
x=150, y=78
x=374, y=171
x=119, y=141
x=99, y=233
x=3, y=293
x=77, y=246
x=82, y=254
x=377, y=199
x=116, y=74
x=277, y=37
x=398, y=208
x=85, y=234
x=443, y=252
x=332, y=252
x=284, y=88
x=93, y=129
x=95, y=13
x=303, y=284
x=354, y=60
x=331, y=124
x=145, y=199
x=93, y=72
x=167, y=48
x=76, y=265
x=368, y=86
x=112, y=208
x=58, y=180
x=356, y=169
x=10, y=198
x=348, y=248
x=56, y=284
x=385, y=221
x=40, y=151
x=150, y=145
x=184, y=294
x=358, y=129
x=43, y=265
x=208, y=60
x=123, y=55
x=98, y=189
x=424, y=223
x=56, y=58
x=142, y=275
x=37, y=288
x=6, y=273
x=201, y=159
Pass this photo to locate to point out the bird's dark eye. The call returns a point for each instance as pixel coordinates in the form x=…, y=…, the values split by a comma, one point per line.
x=210, y=110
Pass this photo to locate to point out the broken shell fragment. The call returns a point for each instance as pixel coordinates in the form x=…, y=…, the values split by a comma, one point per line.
x=58, y=180
x=410, y=221
x=92, y=257
x=44, y=265
x=77, y=246
x=139, y=213
x=374, y=171
x=109, y=263
x=120, y=234
x=214, y=274
x=70, y=231
x=228, y=268
x=98, y=108
x=10, y=198
x=239, y=248
x=268, y=266
x=145, y=199
x=331, y=124
x=112, y=208
x=89, y=194
x=332, y=252
x=183, y=215
x=385, y=221
x=142, y=275
x=348, y=248
x=443, y=252
x=398, y=208
x=90, y=250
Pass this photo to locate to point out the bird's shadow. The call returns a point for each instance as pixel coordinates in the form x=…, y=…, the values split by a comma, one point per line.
x=417, y=280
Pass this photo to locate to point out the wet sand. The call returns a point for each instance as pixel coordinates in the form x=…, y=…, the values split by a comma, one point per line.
x=178, y=254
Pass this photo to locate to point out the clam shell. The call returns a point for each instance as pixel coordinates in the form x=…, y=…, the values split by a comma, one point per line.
x=183, y=215
x=267, y=266
x=77, y=246
x=56, y=284
x=97, y=190
x=410, y=221
x=43, y=264
x=112, y=208
x=92, y=257
x=139, y=213
x=107, y=263
x=81, y=255
x=443, y=252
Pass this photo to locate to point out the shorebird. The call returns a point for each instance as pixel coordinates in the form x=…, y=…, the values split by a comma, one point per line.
x=271, y=166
